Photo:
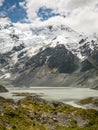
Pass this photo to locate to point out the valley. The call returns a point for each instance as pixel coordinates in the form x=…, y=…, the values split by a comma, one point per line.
x=49, y=78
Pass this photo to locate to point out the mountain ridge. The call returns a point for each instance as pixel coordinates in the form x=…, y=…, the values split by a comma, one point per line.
x=56, y=47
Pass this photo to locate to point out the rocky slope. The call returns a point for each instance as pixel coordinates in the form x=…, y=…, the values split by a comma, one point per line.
x=34, y=113
x=48, y=55
x=3, y=89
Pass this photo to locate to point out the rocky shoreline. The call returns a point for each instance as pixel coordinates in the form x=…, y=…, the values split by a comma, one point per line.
x=35, y=113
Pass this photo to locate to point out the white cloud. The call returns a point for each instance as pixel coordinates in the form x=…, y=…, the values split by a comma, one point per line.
x=60, y=6
x=4, y=20
x=33, y=6
x=1, y=2
x=26, y=27
x=84, y=19
x=22, y=4
x=73, y=4
x=2, y=14
x=83, y=14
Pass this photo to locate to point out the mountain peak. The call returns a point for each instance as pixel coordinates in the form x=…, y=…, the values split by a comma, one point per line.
x=18, y=47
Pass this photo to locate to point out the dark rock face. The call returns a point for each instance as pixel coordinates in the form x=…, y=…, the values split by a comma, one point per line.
x=18, y=48
x=63, y=59
x=3, y=89
x=91, y=61
x=95, y=56
x=21, y=54
x=4, y=59
x=86, y=65
x=7, y=62
x=40, y=59
x=58, y=57
x=56, y=67
x=85, y=50
x=82, y=41
x=14, y=37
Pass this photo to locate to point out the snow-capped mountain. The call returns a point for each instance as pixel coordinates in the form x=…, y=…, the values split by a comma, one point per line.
x=55, y=46
x=41, y=36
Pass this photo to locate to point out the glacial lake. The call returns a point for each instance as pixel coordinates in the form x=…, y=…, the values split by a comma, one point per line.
x=64, y=94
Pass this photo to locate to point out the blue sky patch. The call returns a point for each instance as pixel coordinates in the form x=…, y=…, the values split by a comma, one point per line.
x=16, y=13
x=46, y=13
x=12, y=10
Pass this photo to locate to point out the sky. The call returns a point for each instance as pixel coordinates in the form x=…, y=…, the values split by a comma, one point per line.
x=81, y=15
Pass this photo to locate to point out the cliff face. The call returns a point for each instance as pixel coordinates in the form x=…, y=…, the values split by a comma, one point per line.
x=3, y=89
x=59, y=67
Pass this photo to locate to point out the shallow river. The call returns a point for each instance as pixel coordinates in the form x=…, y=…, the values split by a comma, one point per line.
x=65, y=94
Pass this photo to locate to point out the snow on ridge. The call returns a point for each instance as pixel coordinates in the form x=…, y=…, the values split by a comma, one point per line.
x=36, y=37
